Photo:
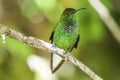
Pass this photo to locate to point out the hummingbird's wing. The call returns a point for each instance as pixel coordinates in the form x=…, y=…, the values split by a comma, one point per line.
x=51, y=37
x=76, y=43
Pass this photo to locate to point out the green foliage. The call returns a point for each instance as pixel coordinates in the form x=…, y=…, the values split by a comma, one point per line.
x=18, y=48
x=29, y=8
x=46, y=4
x=13, y=55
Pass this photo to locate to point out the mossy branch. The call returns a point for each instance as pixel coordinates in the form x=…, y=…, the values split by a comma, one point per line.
x=40, y=44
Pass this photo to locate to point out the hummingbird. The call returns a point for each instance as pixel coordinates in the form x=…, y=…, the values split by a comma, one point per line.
x=65, y=34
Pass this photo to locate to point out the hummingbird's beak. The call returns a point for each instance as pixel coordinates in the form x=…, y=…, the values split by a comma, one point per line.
x=80, y=9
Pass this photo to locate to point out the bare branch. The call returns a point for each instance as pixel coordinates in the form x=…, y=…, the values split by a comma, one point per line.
x=107, y=18
x=40, y=44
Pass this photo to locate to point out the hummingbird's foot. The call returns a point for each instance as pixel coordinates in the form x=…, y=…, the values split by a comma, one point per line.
x=53, y=45
x=66, y=55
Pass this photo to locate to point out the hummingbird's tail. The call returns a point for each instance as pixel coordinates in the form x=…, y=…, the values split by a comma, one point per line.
x=56, y=62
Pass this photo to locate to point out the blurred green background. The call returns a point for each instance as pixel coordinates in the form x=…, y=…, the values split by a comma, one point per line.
x=98, y=49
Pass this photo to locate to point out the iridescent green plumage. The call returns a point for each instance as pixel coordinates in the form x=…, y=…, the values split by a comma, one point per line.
x=66, y=33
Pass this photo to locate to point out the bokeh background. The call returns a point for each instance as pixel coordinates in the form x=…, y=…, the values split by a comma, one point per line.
x=98, y=48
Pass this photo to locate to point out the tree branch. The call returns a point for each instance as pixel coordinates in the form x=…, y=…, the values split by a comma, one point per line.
x=40, y=44
x=107, y=18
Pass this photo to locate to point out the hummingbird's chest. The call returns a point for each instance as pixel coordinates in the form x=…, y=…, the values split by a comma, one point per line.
x=70, y=26
x=65, y=35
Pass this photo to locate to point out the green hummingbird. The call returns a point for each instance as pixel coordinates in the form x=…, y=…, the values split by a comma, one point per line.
x=66, y=34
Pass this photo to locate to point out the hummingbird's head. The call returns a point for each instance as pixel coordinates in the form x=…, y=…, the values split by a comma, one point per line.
x=69, y=13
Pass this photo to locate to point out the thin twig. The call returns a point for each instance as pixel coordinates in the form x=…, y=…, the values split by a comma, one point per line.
x=107, y=18
x=40, y=44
